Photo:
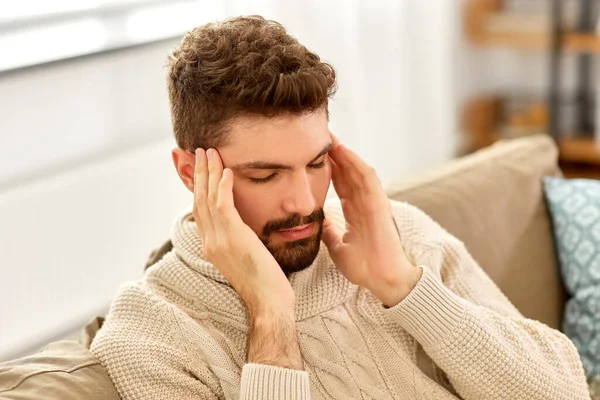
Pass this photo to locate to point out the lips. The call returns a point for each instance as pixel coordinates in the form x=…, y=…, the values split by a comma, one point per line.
x=299, y=232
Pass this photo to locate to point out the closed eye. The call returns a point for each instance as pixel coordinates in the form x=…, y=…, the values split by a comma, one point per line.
x=317, y=165
x=263, y=180
x=270, y=177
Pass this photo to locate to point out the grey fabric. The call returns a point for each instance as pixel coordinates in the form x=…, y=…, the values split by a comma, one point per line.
x=63, y=370
x=493, y=201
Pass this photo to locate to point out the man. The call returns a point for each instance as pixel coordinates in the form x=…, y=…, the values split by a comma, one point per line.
x=249, y=305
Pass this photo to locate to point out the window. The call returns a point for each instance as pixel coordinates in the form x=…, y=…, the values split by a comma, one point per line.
x=28, y=10
x=62, y=29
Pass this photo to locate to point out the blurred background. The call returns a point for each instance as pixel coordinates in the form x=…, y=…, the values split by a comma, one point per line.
x=87, y=186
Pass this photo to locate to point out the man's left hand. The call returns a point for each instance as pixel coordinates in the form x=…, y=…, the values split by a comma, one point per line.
x=369, y=253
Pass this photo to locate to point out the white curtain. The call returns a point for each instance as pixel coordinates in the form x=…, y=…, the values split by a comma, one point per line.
x=394, y=58
x=395, y=103
x=93, y=225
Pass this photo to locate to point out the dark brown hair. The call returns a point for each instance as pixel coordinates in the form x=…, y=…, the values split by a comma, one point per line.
x=241, y=67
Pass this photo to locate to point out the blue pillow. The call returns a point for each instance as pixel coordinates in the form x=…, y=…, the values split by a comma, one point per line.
x=575, y=210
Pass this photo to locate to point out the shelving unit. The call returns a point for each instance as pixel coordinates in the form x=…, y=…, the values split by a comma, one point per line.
x=488, y=24
x=582, y=150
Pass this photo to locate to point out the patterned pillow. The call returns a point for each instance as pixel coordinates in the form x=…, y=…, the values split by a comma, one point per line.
x=575, y=211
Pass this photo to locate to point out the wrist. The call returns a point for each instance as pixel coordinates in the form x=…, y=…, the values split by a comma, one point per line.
x=273, y=340
x=392, y=294
x=264, y=311
x=262, y=318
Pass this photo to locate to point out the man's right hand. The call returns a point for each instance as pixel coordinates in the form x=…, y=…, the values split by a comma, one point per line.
x=231, y=246
x=237, y=252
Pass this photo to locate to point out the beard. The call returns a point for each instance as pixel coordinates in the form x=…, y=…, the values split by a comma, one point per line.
x=297, y=255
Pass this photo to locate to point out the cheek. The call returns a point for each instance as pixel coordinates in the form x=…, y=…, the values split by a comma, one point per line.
x=253, y=206
x=257, y=204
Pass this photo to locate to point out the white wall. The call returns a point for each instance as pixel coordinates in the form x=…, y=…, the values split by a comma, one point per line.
x=87, y=189
x=64, y=113
x=395, y=103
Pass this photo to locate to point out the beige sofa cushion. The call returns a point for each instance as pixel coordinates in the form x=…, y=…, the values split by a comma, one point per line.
x=493, y=201
x=62, y=370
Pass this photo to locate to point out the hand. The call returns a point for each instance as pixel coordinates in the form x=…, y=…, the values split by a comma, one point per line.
x=369, y=253
x=231, y=246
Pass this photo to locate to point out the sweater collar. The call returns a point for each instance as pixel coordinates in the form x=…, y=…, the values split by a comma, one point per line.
x=318, y=287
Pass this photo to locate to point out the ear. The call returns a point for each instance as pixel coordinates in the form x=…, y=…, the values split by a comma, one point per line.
x=185, y=164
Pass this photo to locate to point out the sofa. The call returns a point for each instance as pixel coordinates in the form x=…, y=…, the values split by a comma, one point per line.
x=492, y=200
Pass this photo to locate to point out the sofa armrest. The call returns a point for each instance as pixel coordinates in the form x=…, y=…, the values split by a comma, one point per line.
x=63, y=370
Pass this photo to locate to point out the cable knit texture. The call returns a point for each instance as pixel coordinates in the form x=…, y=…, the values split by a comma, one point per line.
x=181, y=332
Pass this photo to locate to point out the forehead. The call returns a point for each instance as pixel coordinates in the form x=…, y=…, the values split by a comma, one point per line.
x=288, y=138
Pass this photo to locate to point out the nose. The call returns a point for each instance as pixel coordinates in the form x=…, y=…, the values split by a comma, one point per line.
x=299, y=197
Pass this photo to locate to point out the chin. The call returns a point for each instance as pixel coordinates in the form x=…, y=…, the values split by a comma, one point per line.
x=298, y=255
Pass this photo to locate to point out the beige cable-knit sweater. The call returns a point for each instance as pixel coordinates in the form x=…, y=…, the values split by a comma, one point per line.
x=181, y=332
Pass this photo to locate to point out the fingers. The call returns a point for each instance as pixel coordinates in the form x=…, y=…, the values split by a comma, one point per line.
x=215, y=173
x=334, y=140
x=339, y=181
x=331, y=236
x=225, y=204
x=338, y=177
x=353, y=168
x=220, y=195
x=201, y=211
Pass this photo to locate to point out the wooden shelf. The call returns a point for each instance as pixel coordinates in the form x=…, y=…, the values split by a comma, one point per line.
x=572, y=42
x=488, y=118
x=582, y=43
x=487, y=25
x=578, y=171
x=579, y=150
x=485, y=120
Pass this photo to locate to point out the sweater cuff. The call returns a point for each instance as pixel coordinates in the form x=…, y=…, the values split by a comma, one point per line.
x=430, y=312
x=261, y=381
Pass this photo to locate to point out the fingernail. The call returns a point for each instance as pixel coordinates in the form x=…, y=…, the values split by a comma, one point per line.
x=210, y=153
x=198, y=152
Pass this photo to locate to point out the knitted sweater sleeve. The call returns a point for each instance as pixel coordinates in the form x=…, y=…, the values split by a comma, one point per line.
x=470, y=330
x=143, y=348
x=144, y=353
x=260, y=381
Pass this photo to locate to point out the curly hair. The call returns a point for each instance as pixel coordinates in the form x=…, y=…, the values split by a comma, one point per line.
x=241, y=67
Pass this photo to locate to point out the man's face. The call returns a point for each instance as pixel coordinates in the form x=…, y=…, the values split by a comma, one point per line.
x=282, y=175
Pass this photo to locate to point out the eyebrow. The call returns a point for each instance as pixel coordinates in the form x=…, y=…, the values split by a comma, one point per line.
x=270, y=165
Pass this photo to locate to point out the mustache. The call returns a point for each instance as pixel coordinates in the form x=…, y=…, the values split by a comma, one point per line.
x=292, y=221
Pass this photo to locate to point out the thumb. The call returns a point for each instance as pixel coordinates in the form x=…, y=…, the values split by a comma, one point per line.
x=332, y=236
